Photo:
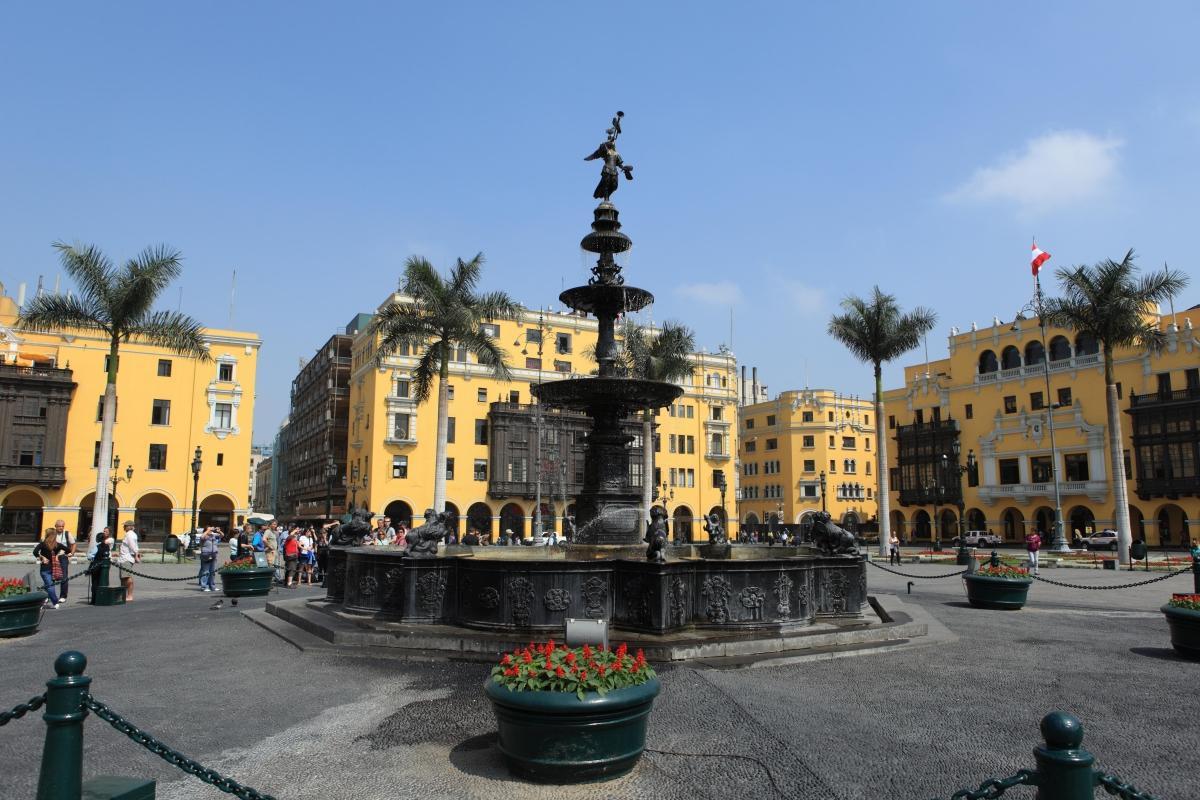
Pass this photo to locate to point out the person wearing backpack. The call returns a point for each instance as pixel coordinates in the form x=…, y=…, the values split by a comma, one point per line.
x=210, y=548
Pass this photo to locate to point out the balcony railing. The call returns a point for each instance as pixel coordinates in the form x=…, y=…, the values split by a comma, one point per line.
x=1168, y=487
x=47, y=476
x=52, y=373
x=1095, y=490
x=1074, y=362
x=716, y=455
x=1190, y=394
x=932, y=426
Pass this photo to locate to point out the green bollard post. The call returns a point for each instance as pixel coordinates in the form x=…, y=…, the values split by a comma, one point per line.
x=1064, y=768
x=61, y=776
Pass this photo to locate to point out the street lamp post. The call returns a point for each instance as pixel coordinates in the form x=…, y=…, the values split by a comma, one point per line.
x=197, y=463
x=1058, y=541
x=958, y=470
x=723, y=484
x=330, y=476
x=823, y=492
x=667, y=494
x=354, y=486
x=116, y=479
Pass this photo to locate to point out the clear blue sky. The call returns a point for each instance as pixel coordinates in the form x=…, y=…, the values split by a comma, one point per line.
x=785, y=155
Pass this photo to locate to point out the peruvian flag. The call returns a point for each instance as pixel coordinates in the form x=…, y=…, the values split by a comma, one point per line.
x=1038, y=259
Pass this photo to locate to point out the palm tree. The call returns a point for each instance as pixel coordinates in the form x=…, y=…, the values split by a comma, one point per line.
x=117, y=303
x=437, y=316
x=1109, y=302
x=875, y=331
x=664, y=357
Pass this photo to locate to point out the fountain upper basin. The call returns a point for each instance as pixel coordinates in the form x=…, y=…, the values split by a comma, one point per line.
x=584, y=394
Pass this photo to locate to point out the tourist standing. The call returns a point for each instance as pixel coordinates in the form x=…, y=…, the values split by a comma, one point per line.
x=99, y=552
x=308, y=557
x=271, y=542
x=322, y=553
x=130, y=554
x=47, y=553
x=894, y=549
x=1033, y=543
x=68, y=541
x=210, y=548
x=291, y=560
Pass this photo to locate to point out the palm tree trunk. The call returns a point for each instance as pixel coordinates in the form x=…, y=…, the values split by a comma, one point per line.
x=647, y=465
x=1116, y=448
x=881, y=466
x=108, y=418
x=443, y=415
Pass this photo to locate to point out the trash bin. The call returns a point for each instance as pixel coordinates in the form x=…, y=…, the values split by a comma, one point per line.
x=1138, y=550
x=937, y=545
x=170, y=545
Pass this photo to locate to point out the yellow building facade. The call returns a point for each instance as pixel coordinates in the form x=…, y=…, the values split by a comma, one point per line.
x=491, y=470
x=167, y=406
x=791, y=444
x=990, y=394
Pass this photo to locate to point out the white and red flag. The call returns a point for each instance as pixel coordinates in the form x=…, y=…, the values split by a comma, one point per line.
x=1039, y=258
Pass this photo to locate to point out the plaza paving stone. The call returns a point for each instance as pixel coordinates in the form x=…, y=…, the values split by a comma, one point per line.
x=913, y=723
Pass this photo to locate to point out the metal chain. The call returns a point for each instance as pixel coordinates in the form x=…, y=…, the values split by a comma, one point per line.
x=1114, y=785
x=909, y=575
x=211, y=777
x=154, y=577
x=22, y=709
x=1118, y=586
x=995, y=787
x=79, y=574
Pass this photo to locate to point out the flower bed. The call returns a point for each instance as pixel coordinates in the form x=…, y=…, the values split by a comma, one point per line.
x=20, y=609
x=243, y=578
x=571, y=715
x=1000, y=587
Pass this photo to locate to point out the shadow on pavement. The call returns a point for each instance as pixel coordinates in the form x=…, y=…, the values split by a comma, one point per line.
x=1161, y=653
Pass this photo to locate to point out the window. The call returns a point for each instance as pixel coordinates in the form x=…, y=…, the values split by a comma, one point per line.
x=1010, y=471
x=164, y=368
x=403, y=387
x=848, y=442
x=831, y=416
x=919, y=416
x=399, y=466
x=868, y=468
x=1010, y=404
x=866, y=419
x=451, y=427
x=223, y=416
x=1076, y=466
x=220, y=459
x=1040, y=469
x=533, y=335
x=562, y=366
x=100, y=408
x=892, y=421
x=969, y=411
x=400, y=426
x=671, y=443
x=514, y=397
x=533, y=363
x=449, y=469
x=96, y=456
x=562, y=342
x=691, y=444
x=806, y=416
x=718, y=413
x=1064, y=396
x=1036, y=401
x=158, y=457
x=832, y=441
x=488, y=329
x=770, y=420
x=449, y=391
x=459, y=353
x=691, y=412
x=772, y=444
x=107, y=362
x=749, y=423
x=27, y=451
x=160, y=412
x=935, y=414
x=810, y=491
x=481, y=395
x=225, y=371
x=810, y=465
x=751, y=446
x=867, y=443
x=481, y=431
x=481, y=469
x=832, y=465
x=809, y=441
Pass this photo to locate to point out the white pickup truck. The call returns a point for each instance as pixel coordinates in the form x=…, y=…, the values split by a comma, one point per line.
x=980, y=539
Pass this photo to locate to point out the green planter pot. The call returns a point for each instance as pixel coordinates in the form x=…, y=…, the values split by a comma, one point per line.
x=247, y=582
x=1185, y=630
x=20, y=614
x=554, y=737
x=984, y=591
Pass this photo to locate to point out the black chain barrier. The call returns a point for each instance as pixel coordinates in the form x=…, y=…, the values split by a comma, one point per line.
x=1118, y=586
x=1115, y=786
x=995, y=787
x=126, y=569
x=923, y=577
x=22, y=709
x=176, y=759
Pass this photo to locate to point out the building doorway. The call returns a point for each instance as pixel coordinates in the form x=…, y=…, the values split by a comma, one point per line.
x=21, y=519
x=152, y=516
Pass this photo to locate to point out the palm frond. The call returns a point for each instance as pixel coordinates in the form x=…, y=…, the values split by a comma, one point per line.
x=489, y=353
x=427, y=371
x=141, y=281
x=90, y=270
x=423, y=283
x=174, y=331
x=399, y=325
x=465, y=275
x=56, y=312
x=496, y=305
x=875, y=331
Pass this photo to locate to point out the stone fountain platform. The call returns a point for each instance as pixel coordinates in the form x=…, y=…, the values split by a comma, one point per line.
x=321, y=627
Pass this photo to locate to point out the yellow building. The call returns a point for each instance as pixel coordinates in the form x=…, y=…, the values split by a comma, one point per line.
x=167, y=406
x=796, y=442
x=491, y=470
x=990, y=394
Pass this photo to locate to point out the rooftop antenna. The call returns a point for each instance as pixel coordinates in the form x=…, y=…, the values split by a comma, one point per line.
x=58, y=280
x=731, y=330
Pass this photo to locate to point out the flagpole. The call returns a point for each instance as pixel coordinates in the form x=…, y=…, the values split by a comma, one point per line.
x=1058, y=542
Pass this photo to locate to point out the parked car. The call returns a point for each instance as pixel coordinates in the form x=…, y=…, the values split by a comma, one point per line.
x=1104, y=540
x=980, y=539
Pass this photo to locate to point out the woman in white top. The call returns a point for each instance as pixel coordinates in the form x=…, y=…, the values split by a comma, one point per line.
x=308, y=557
x=130, y=554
